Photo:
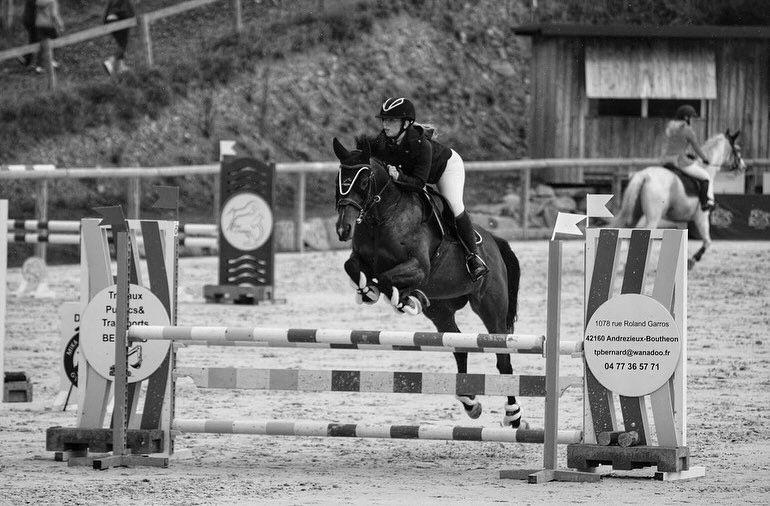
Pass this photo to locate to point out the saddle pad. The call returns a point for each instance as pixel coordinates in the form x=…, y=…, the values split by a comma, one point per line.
x=691, y=185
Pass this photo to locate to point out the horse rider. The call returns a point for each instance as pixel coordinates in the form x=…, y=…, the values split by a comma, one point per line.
x=414, y=159
x=679, y=138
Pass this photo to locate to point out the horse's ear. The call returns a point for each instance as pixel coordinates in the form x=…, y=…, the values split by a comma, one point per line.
x=340, y=150
x=735, y=135
x=366, y=150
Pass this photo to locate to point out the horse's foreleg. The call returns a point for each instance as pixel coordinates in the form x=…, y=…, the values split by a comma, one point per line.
x=400, y=284
x=364, y=283
x=701, y=222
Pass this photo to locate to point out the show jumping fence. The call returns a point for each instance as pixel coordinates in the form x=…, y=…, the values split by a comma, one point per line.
x=149, y=346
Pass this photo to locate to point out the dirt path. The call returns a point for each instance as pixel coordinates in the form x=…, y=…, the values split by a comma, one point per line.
x=729, y=396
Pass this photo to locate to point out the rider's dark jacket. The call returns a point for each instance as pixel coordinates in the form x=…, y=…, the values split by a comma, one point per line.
x=418, y=158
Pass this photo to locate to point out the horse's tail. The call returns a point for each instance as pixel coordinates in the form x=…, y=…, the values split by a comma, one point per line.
x=630, y=209
x=514, y=273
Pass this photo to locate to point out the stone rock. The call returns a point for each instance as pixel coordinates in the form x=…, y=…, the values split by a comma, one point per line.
x=543, y=190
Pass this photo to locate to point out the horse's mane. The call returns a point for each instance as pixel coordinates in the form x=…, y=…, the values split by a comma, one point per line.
x=362, y=140
x=711, y=141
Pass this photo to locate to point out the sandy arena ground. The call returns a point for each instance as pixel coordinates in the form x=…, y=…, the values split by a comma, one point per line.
x=729, y=400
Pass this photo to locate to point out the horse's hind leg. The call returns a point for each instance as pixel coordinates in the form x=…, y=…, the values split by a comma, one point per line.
x=494, y=318
x=512, y=416
x=442, y=314
x=701, y=222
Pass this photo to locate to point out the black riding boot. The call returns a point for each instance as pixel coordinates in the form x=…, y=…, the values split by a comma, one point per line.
x=703, y=189
x=475, y=265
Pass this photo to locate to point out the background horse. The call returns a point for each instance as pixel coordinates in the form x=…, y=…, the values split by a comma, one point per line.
x=400, y=251
x=656, y=193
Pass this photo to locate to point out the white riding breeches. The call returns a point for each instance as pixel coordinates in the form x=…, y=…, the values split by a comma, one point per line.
x=697, y=171
x=452, y=183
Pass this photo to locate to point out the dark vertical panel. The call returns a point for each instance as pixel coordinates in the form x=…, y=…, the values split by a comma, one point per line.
x=633, y=408
x=761, y=148
x=599, y=398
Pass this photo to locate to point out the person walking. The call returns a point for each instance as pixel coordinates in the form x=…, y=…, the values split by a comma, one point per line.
x=28, y=20
x=415, y=159
x=48, y=25
x=118, y=10
x=680, y=139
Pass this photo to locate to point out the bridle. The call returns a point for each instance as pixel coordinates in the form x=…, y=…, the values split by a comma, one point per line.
x=373, y=197
x=737, y=162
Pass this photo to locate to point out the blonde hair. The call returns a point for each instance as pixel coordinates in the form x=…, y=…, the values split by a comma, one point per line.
x=428, y=127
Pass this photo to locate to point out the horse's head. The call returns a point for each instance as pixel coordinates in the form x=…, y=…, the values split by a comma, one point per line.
x=360, y=182
x=736, y=158
x=724, y=152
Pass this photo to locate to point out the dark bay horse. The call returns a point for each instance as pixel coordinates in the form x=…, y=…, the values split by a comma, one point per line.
x=400, y=252
x=656, y=193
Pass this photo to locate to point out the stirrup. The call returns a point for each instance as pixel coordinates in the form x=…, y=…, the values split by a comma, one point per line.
x=480, y=270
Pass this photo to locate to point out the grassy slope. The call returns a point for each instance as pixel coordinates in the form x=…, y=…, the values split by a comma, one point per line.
x=291, y=82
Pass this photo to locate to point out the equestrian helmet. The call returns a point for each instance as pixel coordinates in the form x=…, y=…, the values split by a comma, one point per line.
x=685, y=111
x=400, y=108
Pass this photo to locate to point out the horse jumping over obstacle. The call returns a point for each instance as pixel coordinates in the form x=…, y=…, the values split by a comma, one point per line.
x=400, y=251
x=657, y=193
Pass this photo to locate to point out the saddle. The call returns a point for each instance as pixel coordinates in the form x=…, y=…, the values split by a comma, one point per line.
x=692, y=186
x=440, y=212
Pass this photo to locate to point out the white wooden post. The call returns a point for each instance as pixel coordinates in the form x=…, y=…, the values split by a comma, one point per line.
x=3, y=284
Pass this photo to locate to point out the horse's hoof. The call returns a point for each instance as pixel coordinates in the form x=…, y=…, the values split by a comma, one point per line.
x=370, y=294
x=471, y=406
x=690, y=263
x=512, y=417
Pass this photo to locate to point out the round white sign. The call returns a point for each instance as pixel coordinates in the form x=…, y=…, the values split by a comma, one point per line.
x=632, y=345
x=97, y=332
x=246, y=221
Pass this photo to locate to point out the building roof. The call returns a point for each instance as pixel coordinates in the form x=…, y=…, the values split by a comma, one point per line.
x=645, y=31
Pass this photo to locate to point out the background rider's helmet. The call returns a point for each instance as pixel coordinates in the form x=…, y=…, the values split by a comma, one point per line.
x=400, y=108
x=685, y=111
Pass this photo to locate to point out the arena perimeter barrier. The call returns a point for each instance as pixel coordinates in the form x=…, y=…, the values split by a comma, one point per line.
x=669, y=290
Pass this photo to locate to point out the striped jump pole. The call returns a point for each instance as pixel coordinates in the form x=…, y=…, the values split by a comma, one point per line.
x=400, y=382
x=73, y=227
x=353, y=339
x=61, y=226
x=377, y=431
x=42, y=236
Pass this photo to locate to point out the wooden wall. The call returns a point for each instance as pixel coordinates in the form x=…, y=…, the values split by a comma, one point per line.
x=743, y=102
x=560, y=127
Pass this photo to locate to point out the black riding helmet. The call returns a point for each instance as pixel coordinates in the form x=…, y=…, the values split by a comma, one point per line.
x=400, y=108
x=686, y=111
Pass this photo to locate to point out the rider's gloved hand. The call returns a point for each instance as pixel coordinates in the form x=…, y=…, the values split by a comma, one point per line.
x=393, y=172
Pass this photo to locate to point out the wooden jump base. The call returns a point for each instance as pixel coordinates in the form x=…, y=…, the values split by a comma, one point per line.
x=352, y=339
x=362, y=430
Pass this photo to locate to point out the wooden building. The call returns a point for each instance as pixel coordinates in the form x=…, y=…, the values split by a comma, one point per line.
x=607, y=91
